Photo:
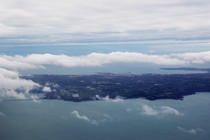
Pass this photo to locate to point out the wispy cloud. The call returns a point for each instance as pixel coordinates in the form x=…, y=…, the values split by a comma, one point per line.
x=159, y=111
x=192, y=131
x=83, y=117
x=105, y=118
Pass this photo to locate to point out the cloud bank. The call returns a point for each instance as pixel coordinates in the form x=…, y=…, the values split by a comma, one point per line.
x=160, y=111
x=35, y=61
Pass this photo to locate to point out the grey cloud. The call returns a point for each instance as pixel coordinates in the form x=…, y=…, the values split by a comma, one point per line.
x=93, y=16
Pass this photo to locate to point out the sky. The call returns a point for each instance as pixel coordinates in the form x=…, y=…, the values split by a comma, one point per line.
x=90, y=36
x=64, y=22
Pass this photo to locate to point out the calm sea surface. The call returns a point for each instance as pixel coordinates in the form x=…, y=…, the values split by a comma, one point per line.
x=136, y=119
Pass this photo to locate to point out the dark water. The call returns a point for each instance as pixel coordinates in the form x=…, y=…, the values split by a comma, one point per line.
x=107, y=120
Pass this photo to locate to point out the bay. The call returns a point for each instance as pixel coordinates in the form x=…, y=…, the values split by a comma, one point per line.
x=107, y=120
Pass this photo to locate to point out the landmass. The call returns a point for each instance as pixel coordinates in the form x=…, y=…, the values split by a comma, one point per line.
x=101, y=86
x=188, y=69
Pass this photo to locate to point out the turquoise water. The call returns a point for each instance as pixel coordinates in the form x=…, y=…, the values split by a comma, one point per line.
x=136, y=119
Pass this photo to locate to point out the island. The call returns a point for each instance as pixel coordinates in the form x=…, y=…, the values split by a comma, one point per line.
x=101, y=86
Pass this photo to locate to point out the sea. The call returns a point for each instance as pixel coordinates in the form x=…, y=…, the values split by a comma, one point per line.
x=132, y=119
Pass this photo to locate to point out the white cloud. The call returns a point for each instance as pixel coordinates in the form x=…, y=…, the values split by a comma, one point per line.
x=107, y=98
x=118, y=99
x=35, y=98
x=10, y=63
x=192, y=131
x=49, y=87
x=11, y=80
x=9, y=93
x=199, y=57
x=46, y=89
x=99, y=59
x=8, y=73
x=103, y=119
x=162, y=110
x=34, y=61
x=147, y=110
x=83, y=117
x=169, y=110
x=11, y=85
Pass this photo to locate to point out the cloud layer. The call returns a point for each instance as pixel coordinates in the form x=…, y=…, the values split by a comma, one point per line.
x=19, y=16
x=33, y=61
x=61, y=21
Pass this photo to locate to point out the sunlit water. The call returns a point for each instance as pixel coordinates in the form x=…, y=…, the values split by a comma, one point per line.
x=137, y=119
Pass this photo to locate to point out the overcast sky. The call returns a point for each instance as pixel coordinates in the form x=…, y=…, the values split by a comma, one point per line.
x=59, y=21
